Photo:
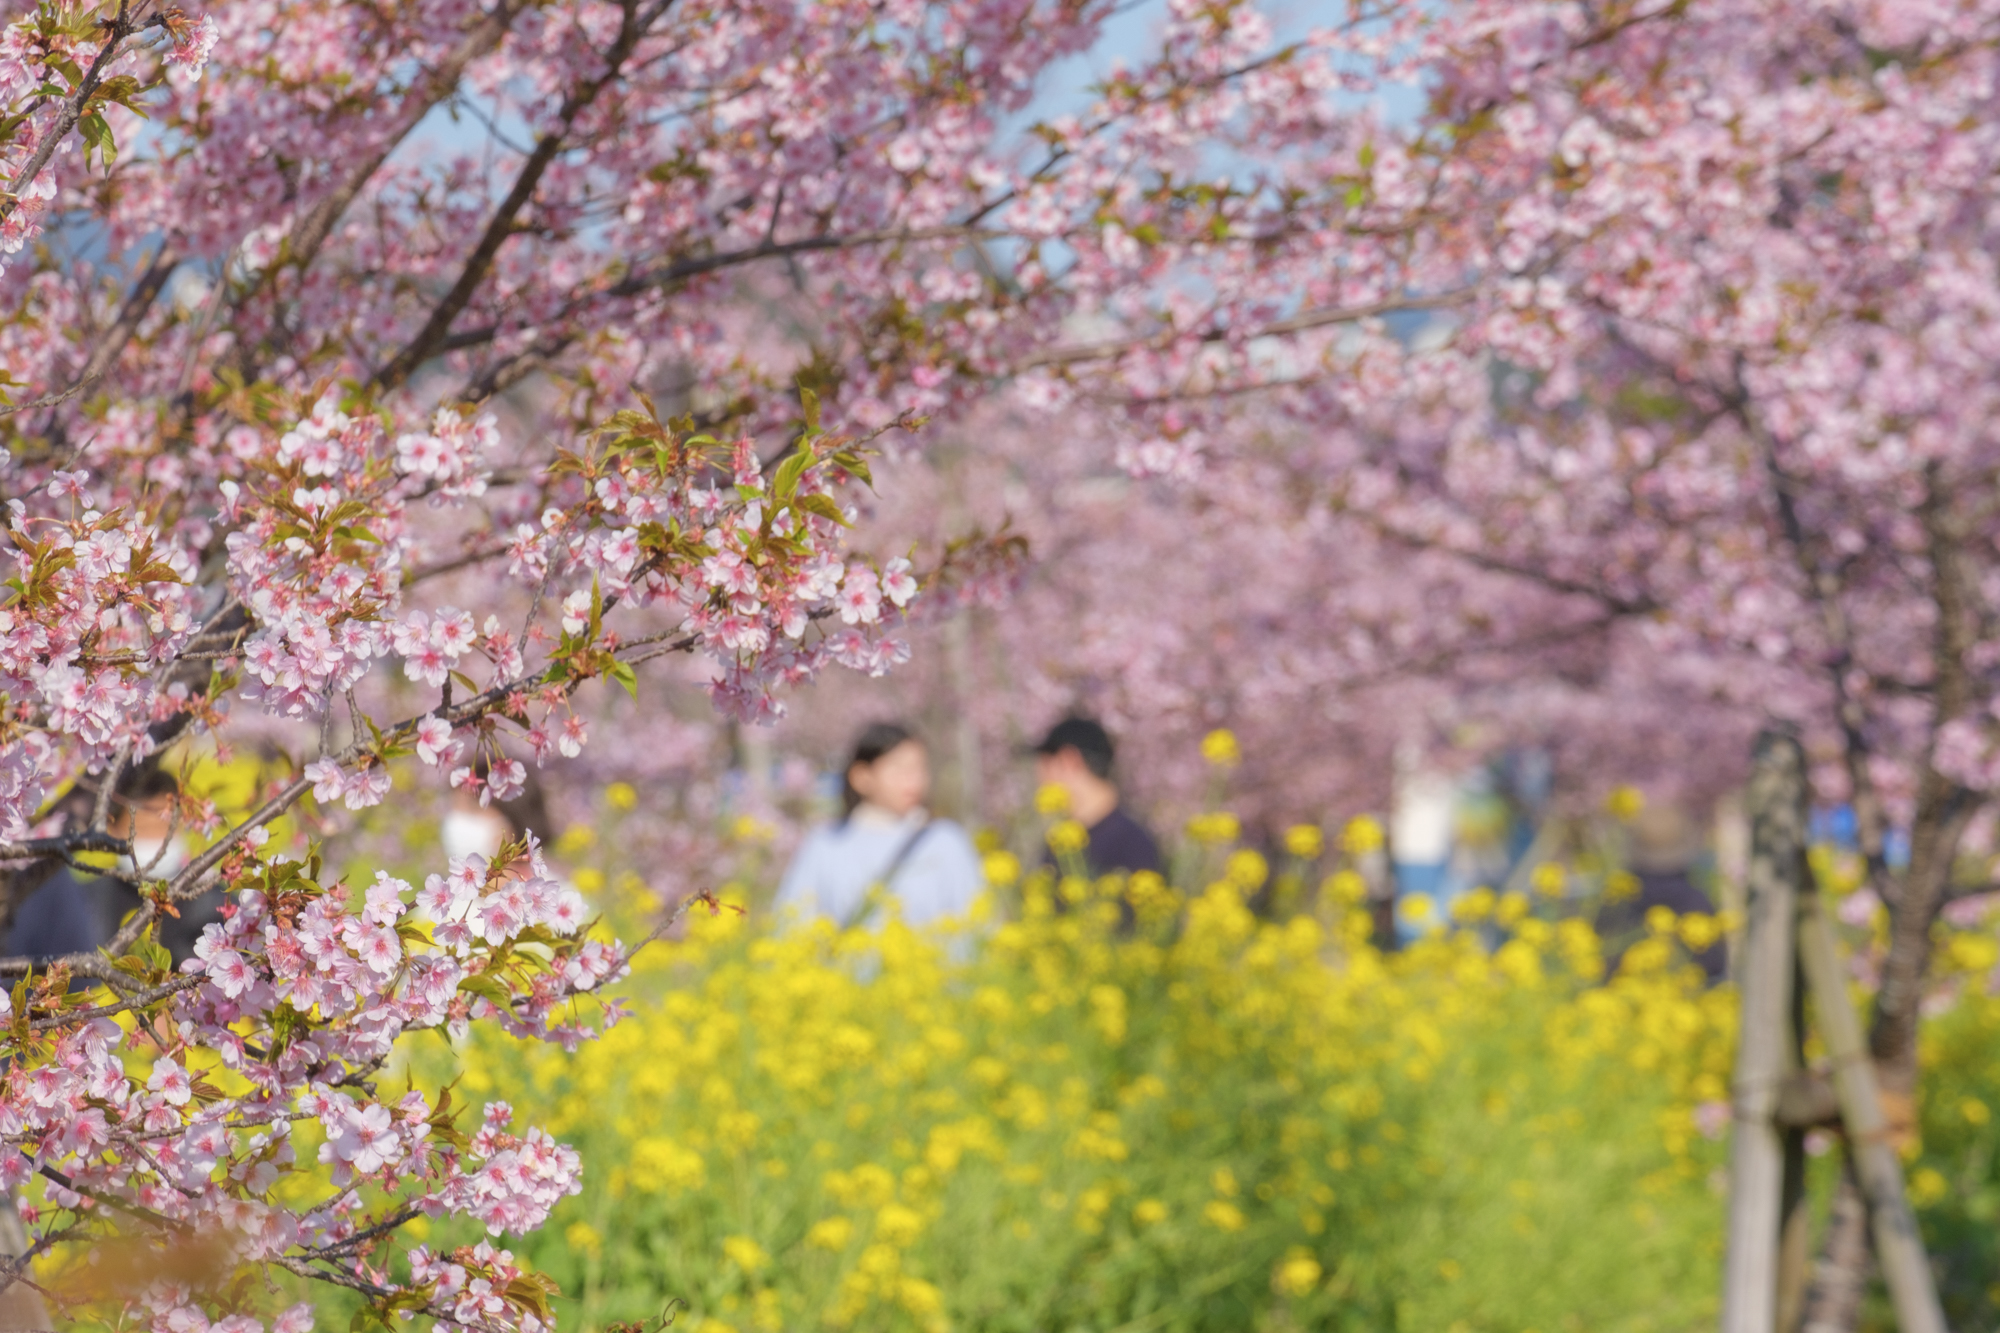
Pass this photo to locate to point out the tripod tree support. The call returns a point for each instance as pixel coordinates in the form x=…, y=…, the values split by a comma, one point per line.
x=1786, y=938
x=1899, y=1247
x=1765, y=979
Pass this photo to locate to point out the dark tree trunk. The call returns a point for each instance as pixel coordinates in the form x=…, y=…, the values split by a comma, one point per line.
x=1840, y=1278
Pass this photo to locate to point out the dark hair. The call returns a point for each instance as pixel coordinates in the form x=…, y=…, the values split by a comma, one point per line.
x=1087, y=737
x=871, y=745
x=136, y=785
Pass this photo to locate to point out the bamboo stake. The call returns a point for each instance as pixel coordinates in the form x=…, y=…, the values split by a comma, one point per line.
x=1757, y=1150
x=1794, y=1214
x=1898, y=1244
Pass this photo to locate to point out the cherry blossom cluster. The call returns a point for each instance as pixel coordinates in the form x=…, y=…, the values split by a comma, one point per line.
x=303, y=991
x=745, y=560
x=92, y=65
x=167, y=1140
x=471, y=1285
x=103, y=604
x=318, y=558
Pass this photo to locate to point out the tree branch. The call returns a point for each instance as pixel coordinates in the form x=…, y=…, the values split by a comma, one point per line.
x=430, y=339
x=72, y=110
x=1299, y=323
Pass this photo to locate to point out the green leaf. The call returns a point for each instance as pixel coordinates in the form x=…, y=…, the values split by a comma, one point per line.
x=532, y=1290
x=824, y=506
x=786, y=483
x=852, y=462
x=623, y=673
x=809, y=403
x=153, y=953
x=487, y=987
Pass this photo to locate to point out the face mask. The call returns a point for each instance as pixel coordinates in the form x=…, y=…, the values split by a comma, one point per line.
x=470, y=833
x=172, y=855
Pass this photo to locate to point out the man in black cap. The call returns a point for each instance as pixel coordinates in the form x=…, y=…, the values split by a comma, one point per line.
x=1076, y=755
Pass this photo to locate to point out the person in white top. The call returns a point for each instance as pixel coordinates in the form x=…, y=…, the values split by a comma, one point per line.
x=887, y=838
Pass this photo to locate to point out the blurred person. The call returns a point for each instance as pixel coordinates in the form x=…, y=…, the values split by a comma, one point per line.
x=886, y=844
x=1665, y=846
x=1077, y=755
x=75, y=912
x=472, y=829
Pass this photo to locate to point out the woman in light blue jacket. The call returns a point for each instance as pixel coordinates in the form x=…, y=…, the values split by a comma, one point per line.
x=885, y=838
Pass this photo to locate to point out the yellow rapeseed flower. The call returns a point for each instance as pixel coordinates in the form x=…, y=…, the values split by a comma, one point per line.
x=1149, y=1212
x=1246, y=869
x=880, y=1261
x=1304, y=841
x=663, y=1166
x=1973, y=953
x=897, y=1225
x=1218, y=826
x=1974, y=1111
x=1621, y=886
x=1052, y=799
x=1219, y=748
x=1345, y=887
x=583, y=1237
x=1699, y=930
x=1362, y=835
x=1003, y=869
x=830, y=1233
x=1549, y=879
x=574, y=839
x=749, y=828
x=1224, y=1216
x=1067, y=837
x=1625, y=802
x=919, y=1297
x=621, y=796
x=745, y=1253
x=1477, y=905
x=1298, y=1273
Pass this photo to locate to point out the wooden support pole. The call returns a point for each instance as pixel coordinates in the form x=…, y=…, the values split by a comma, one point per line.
x=1794, y=1214
x=1777, y=803
x=1899, y=1246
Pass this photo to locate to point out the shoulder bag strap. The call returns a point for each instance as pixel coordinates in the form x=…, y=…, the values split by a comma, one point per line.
x=872, y=899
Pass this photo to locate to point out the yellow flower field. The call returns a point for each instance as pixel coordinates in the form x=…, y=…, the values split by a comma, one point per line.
x=1212, y=1121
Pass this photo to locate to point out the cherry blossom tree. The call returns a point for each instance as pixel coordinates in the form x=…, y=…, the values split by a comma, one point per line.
x=334, y=337
x=1634, y=394
x=1705, y=382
